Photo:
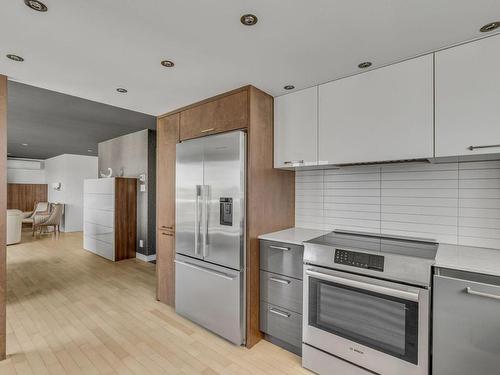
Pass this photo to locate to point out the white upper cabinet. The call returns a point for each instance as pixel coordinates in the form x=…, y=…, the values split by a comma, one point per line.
x=468, y=99
x=296, y=129
x=385, y=114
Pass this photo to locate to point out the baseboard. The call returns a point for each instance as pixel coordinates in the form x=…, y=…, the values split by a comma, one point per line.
x=145, y=258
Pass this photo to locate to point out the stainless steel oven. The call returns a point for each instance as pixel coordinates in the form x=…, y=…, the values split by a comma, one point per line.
x=366, y=304
x=379, y=325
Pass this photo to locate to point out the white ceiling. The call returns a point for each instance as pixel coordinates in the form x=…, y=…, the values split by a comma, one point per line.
x=89, y=48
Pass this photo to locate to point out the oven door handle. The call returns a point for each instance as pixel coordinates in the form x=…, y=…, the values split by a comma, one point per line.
x=403, y=294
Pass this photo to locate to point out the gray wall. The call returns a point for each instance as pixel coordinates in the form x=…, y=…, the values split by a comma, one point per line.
x=133, y=155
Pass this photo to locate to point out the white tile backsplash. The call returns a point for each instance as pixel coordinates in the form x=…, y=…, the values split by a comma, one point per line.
x=456, y=203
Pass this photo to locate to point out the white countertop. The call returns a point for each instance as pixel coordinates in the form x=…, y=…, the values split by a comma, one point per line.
x=294, y=235
x=458, y=257
x=469, y=258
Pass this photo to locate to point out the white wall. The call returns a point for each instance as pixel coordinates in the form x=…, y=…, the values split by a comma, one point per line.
x=25, y=171
x=70, y=171
x=455, y=203
x=54, y=172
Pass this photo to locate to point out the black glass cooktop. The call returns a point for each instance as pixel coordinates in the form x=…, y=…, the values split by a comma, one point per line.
x=359, y=241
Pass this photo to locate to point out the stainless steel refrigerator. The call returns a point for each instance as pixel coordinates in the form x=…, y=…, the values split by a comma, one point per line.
x=210, y=233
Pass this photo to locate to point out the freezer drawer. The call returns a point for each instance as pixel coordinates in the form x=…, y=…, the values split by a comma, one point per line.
x=466, y=324
x=211, y=296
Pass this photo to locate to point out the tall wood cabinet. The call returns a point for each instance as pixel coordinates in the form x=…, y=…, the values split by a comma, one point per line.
x=270, y=192
x=167, y=137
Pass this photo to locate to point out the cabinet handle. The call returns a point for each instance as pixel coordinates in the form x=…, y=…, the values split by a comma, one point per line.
x=167, y=234
x=279, y=248
x=163, y=226
x=281, y=281
x=472, y=148
x=279, y=312
x=294, y=162
x=481, y=294
x=207, y=130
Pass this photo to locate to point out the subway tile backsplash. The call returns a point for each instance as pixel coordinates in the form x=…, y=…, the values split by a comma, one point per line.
x=449, y=202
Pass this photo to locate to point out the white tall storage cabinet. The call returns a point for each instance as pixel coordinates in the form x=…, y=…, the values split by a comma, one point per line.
x=385, y=114
x=99, y=217
x=468, y=99
x=109, y=217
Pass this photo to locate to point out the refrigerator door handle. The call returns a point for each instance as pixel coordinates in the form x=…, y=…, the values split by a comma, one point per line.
x=207, y=270
x=206, y=194
x=197, y=219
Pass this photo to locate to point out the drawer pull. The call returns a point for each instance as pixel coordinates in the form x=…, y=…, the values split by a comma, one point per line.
x=279, y=312
x=207, y=130
x=294, y=162
x=472, y=148
x=167, y=234
x=281, y=281
x=279, y=248
x=165, y=227
x=481, y=294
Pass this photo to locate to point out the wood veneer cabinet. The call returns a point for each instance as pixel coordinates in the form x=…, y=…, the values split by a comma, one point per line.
x=270, y=192
x=167, y=134
x=217, y=116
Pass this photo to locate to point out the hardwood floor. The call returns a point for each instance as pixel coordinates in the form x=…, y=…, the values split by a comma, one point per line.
x=72, y=312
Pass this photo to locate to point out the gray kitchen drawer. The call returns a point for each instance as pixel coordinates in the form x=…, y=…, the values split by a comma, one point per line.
x=281, y=291
x=282, y=258
x=281, y=323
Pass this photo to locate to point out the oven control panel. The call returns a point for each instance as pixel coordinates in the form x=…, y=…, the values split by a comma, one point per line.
x=361, y=260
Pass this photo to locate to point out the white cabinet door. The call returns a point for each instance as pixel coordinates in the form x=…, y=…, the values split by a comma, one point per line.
x=468, y=98
x=385, y=114
x=296, y=129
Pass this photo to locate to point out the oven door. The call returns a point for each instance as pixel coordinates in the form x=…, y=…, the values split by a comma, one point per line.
x=379, y=325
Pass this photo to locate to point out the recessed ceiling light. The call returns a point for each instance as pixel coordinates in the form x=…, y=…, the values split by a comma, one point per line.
x=364, y=65
x=167, y=63
x=490, y=27
x=36, y=5
x=289, y=87
x=249, y=19
x=121, y=90
x=24, y=144
x=15, y=57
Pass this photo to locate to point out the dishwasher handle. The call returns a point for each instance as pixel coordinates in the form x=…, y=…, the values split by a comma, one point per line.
x=470, y=291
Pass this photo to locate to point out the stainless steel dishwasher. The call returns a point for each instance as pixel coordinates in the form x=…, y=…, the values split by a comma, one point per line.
x=466, y=337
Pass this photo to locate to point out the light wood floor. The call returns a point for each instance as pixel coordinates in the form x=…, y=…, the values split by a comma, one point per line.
x=72, y=312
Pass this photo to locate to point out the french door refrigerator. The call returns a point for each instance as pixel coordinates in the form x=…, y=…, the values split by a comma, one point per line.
x=210, y=233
